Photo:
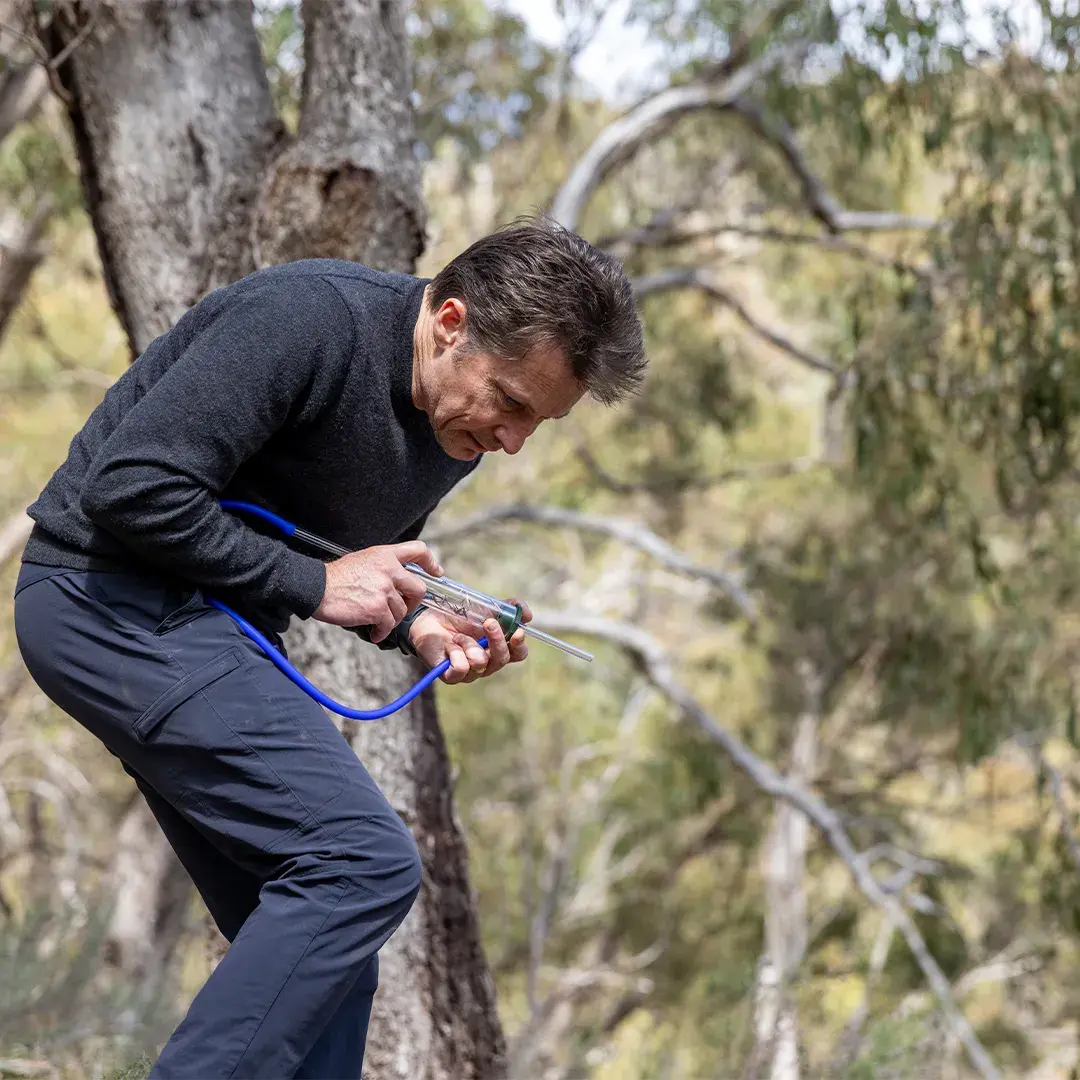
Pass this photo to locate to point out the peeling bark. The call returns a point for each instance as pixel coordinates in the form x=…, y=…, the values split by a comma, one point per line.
x=349, y=187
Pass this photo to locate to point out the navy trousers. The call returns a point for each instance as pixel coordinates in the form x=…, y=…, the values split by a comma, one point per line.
x=304, y=865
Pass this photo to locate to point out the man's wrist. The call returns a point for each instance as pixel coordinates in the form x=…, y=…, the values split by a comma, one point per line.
x=404, y=630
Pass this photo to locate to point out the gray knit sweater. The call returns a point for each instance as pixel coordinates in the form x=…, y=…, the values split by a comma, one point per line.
x=291, y=389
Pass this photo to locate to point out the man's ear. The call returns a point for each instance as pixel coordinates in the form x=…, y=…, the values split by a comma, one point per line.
x=450, y=322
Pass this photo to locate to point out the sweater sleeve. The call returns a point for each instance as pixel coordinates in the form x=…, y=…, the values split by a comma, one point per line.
x=266, y=358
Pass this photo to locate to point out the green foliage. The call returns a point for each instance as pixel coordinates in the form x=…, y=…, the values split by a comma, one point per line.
x=479, y=75
x=54, y=986
x=895, y=1050
x=36, y=158
x=281, y=38
x=138, y=1069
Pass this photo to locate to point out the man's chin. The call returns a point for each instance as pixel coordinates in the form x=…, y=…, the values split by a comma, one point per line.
x=459, y=445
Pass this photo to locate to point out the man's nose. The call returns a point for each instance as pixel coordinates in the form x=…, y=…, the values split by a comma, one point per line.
x=512, y=436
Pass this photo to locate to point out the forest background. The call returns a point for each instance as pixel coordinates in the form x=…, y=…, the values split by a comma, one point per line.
x=811, y=812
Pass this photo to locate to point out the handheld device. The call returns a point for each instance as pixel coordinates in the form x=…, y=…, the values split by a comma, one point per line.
x=472, y=607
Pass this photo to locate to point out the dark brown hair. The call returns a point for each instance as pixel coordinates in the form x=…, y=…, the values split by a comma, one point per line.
x=533, y=283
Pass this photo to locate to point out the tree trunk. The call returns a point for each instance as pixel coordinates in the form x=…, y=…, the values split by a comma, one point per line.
x=21, y=251
x=24, y=86
x=191, y=184
x=784, y=868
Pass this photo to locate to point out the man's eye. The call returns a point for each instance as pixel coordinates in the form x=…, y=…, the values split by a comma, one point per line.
x=511, y=403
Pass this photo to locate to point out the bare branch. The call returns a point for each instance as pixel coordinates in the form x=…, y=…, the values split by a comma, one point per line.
x=822, y=204
x=12, y=676
x=622, y=139
x=21, y=251
x=696, y=277
x=652, y=658
x=22, y=90
x=1067, y=831
x=627, y=531
x=851, y=1040
x=763, y=18
x=13, y=535
x=663, y=233
x=766, y=470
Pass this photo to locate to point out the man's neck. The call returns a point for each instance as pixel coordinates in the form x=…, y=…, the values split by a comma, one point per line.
x=423, y=347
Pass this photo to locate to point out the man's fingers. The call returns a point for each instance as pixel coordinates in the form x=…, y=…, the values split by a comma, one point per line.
x=526, y=611
x=479, y=659
x=497, y=647
x=384, y=623
x=459, y=664
x=411, y=587
x=519, y=648
x=398, y=608
x=416, y=551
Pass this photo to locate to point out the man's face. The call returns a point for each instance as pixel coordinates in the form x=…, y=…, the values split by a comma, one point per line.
x=478, y=402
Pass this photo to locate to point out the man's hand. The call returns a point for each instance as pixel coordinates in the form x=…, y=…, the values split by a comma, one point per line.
x=436, y=636
x=373, y=588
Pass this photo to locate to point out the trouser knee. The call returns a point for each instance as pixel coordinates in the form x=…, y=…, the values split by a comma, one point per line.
x=384, y=860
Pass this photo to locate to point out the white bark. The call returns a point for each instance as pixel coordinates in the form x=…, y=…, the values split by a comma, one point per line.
x=22, y=90
x=21, y=250
x=784, y=868
x=13, y=535
x=151, y=884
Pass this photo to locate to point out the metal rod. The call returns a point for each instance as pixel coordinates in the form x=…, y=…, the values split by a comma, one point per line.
x=547, y=639
x=323, y=545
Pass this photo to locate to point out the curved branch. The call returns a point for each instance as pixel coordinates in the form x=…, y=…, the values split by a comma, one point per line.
x=626, y=531
x=821, y=202
x=664, y=232
x=620, y=140
x=696, y=277
x=652, y=658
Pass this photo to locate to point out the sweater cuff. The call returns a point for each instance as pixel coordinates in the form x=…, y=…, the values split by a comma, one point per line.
x=304, y=584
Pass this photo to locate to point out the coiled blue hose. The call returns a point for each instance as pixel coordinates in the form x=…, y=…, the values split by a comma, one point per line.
x=283, y=665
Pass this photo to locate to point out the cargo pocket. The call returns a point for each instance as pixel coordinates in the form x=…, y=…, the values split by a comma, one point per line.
x=185, y=689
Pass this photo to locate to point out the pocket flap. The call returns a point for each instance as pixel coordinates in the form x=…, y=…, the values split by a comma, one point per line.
x=186, y=688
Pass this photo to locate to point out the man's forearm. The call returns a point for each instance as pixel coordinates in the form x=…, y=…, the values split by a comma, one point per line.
x=182, y=529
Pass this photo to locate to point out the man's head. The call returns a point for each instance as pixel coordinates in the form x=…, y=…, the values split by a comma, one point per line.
x=516, y=330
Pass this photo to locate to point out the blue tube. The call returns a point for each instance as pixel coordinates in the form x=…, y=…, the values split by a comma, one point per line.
x=287, y=527
x=283, y=665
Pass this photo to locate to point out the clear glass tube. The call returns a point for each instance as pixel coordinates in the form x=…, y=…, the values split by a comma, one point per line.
x=474, y=608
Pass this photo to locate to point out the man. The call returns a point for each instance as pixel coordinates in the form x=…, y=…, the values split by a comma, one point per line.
x=349, y=401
